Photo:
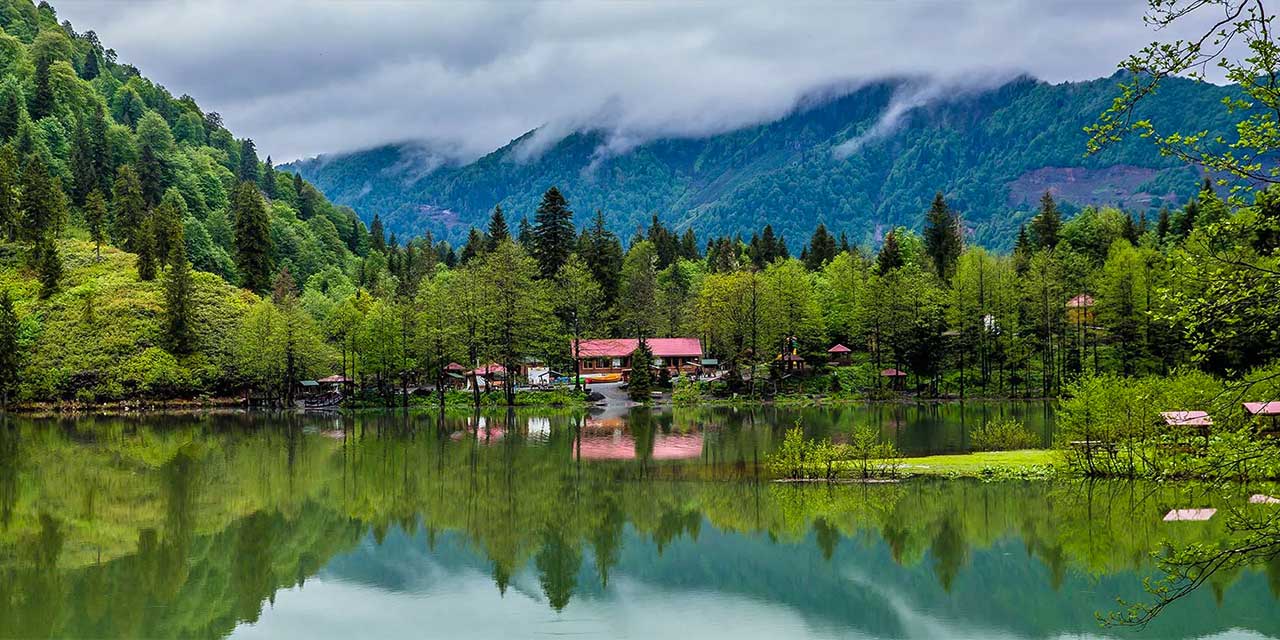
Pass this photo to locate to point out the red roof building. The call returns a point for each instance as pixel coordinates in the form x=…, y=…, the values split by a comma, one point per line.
x=613, y=355
x=839, y=348
x=1198, y=419
x=1268, y=409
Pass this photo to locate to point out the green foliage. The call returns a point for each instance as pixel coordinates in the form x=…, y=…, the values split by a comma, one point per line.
x=1002, y=435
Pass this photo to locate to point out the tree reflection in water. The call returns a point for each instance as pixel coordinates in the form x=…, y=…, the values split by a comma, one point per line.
x=188, y=526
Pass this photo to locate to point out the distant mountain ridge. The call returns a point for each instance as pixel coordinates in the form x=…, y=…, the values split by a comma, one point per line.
x=839, y=161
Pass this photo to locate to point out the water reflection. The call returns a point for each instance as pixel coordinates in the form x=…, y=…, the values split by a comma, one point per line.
x=504, y=525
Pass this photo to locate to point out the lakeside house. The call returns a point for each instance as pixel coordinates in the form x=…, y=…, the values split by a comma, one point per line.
x=613, y=355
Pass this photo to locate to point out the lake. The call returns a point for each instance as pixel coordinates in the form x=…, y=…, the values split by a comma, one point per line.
x=634, y=524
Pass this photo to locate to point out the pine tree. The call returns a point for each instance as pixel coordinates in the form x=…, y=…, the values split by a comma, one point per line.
x=477, y=245
x=689, y=245
x=129, y=208
x=42, y=101
x=1189, y=219
x=177, y=297
x=155, y=157
x=1022, y=251
x=84, y=170
x=821, y=249
x=1162, y=224
x=604, y=258
x=253, y=237
x=768, y=246
x=10, y=356
x=145, y=246
x=525, y=235
x=10, y=206
x=42, y=203
x=166, y=223
x=268, y=180
x=90, y=70
x=99, y=150
x=553, y=233
x=640, y=383
x=377, y=237
x=95, y=218
x=942, y=239
x=48, y=265
x=248, y=171
x=1046, y=225
x=498, y=230
x=1129, y=230
x=890, y=257
x=13, y=107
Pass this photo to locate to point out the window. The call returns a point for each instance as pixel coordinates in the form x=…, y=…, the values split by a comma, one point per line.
x=617, y=363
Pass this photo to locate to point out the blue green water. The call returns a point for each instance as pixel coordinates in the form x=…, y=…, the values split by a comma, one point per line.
x=625, y=526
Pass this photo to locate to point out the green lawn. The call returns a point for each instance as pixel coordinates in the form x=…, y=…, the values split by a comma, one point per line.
x=985, y=463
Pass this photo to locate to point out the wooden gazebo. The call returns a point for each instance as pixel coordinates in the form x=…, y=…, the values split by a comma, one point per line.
x=839, y=354
x=1198, y=420
x=897, y=378
x=1269, y=410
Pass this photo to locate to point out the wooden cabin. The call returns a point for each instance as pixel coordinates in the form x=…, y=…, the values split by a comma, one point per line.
x=839, y=355
x=613, y=355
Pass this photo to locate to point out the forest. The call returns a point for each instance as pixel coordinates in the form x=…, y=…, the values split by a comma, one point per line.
x=148, y=253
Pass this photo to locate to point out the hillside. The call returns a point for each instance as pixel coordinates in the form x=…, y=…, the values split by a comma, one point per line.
x=993, y=152
x=105, y=175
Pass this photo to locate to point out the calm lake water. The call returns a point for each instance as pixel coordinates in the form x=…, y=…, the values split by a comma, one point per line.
x=631, y=525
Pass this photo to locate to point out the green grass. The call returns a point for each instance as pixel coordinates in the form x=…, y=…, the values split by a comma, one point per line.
x=1022, y=463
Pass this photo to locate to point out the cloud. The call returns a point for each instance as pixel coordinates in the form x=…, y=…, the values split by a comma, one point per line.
x=310, y=78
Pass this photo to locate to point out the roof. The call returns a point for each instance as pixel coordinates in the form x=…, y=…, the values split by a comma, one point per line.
x=334, y=379
x=487, y=369
x=622, y=347
x=1187, y=418
x=710, y=362
x=1182, y=515
x=453, y=366
x=839, y=348
x=309, y=383
x=1080, y=302
x=1271, y=408
x=893, y=373
x=791, y=357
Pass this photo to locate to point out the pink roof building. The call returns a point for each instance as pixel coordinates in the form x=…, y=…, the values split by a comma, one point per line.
x=893, y=373
x=1198, y=419
x=839, y=348
x=1082, y=301
x=623, y=347
x=1266, y=409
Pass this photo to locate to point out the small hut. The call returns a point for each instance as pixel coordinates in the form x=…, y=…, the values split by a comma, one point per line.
x=897, y=379
x=792, y=363
x=335, y=382
x=1198, y=420
x=1080, y=309
x=1268, y=410
x=839, y=355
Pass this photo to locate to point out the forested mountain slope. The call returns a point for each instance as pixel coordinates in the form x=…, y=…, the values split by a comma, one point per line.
x=111, y=191
x=835, y=160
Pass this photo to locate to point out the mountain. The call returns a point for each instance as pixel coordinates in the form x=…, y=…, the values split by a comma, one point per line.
x=858, y=161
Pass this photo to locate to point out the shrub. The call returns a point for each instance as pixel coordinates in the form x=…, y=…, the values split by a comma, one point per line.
x=1002, y=435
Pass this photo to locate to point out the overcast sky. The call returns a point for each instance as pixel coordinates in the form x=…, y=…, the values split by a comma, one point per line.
x=308, y=78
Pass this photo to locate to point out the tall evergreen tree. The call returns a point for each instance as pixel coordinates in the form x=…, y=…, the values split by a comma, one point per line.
x=689, y=245
x=42, y=203
x=253, y=237
x=1189, y=219
x=177, y=297
x=553, y=233
x=13, y=107
x=42, y=100
x=268, y=180
x=476, y=246
x=499, y=232
x=525, y=236
x=890, y=257
x=95, y=218
x=129, y=208
x=145, y=246
x=1129, y=230
x=166, y=223
x=10, y=205
x=1046, y=225
x=10, y=356
x=90, y=69
x=248, y=171
x=1022, y=251
x=942, y=239
x=604, y=258
x=377, y=237
x=48, y=265
x=84, y=171
x=99, y=149
x=821, y=249
x=1162, y=224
